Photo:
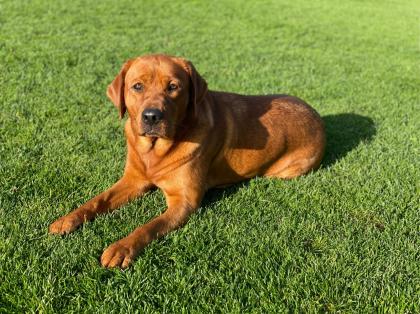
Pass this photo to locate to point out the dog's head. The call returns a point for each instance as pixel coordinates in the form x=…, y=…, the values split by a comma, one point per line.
x=159, y=92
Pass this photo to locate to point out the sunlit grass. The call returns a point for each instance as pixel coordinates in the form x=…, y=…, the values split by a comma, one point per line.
x=344, y=238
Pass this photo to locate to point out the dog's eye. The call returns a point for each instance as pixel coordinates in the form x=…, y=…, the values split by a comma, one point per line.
x=172, y=87
x=138, y=87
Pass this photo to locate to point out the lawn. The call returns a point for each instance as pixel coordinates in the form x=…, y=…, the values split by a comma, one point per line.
x=345, y=238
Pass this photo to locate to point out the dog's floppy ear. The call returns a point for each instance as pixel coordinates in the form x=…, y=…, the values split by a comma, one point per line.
x=198, y=86
x=115, y=90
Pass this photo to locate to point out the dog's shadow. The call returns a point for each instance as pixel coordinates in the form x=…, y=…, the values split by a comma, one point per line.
x=345, y=131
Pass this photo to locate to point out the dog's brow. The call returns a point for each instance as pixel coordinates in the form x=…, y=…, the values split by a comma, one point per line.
x=145, y=78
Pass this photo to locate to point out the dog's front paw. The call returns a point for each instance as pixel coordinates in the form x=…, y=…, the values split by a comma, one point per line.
x=65, y=224
x=119, y=254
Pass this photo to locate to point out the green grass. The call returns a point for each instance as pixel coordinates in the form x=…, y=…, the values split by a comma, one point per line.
x=345, y=238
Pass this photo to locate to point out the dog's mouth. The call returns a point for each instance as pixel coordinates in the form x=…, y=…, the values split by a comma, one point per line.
x=151, y=131
x=153, y=134
x=150, y=134
x=160, y=130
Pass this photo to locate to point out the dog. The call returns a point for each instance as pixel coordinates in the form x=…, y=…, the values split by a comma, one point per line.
x=185, y=139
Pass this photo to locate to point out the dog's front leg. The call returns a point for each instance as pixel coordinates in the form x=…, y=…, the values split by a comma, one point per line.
x=121, y=192
x=122, y=252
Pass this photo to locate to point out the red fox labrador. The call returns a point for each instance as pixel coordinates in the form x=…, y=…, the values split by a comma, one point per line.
x=186, y=139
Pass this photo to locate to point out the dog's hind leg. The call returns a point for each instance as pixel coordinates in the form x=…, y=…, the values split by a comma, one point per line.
x=294, y=165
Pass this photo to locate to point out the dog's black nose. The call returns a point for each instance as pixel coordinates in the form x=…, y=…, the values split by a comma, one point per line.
x=151, y=116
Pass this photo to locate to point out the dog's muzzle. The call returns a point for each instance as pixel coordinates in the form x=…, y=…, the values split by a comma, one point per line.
x=151, y=117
